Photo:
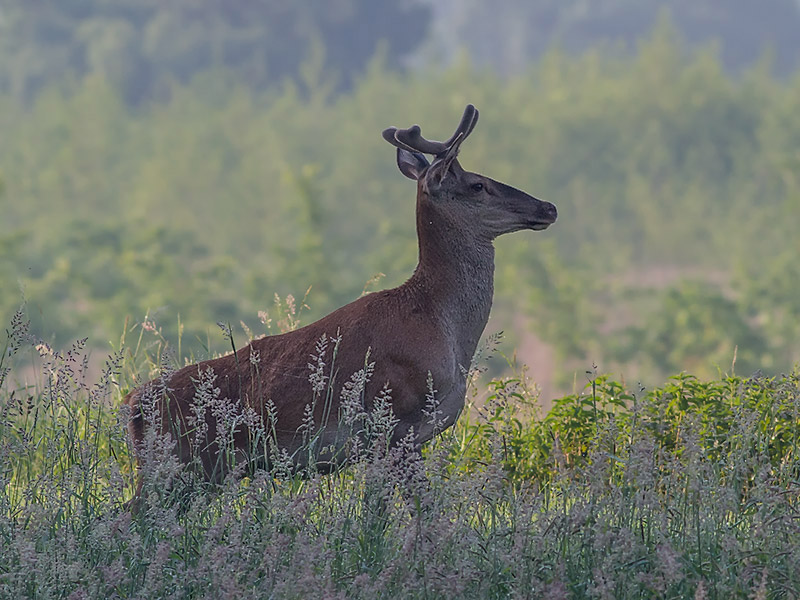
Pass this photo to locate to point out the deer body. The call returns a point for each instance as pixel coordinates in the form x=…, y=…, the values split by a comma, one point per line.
x=431, y=324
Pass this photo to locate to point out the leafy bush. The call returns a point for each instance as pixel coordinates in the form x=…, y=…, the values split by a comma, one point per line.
x=713, y=412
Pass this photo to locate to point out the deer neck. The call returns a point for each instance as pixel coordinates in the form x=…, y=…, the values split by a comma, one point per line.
x=455, y=278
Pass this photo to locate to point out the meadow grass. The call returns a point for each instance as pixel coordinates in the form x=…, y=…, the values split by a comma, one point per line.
x=691, y=490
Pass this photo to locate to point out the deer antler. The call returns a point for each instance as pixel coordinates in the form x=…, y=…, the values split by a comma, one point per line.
x=411, y=139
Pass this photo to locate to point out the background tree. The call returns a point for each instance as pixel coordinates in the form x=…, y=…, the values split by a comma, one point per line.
x=140, y=46
x=509, y=35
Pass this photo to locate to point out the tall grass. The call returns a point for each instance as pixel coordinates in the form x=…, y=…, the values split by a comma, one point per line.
x=691, y=490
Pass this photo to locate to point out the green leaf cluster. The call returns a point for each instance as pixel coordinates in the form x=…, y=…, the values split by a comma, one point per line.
x=717, y=419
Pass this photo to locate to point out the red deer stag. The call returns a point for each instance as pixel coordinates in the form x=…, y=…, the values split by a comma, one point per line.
x=427, y=328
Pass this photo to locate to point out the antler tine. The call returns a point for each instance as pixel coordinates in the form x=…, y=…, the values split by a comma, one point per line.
x=465, y=127
x=413, y=137
x=473, y=122
x=389, y=135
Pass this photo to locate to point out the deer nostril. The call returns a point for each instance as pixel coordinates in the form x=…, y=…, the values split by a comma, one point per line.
x=552, y=210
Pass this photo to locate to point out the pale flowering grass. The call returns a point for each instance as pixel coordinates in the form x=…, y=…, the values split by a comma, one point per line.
x=691, y=491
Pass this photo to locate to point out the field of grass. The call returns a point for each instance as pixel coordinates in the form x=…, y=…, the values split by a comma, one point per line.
x=690, y=490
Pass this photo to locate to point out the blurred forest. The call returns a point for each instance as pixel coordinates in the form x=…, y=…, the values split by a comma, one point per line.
x=507, y=35
x=189, y=160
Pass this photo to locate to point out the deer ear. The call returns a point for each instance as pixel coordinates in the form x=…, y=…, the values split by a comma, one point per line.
x=411, y=164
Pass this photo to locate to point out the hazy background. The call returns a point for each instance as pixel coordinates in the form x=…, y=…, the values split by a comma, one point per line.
x=189, y=159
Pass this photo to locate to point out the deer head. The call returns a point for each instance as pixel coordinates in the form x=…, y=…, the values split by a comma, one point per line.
x=480, y=206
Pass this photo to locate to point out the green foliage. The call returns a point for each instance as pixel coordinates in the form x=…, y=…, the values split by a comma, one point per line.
x=206, y=204
x=141, y=47
x=695, y=327
x=717, y=418
x=769, y=296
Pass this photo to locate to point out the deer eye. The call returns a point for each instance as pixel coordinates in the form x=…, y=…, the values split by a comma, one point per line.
x=476, y=187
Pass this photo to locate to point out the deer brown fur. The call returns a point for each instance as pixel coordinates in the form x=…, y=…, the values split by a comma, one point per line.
x=431, y=324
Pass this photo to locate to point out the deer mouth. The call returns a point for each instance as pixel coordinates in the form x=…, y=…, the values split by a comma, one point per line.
x=542, y=222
